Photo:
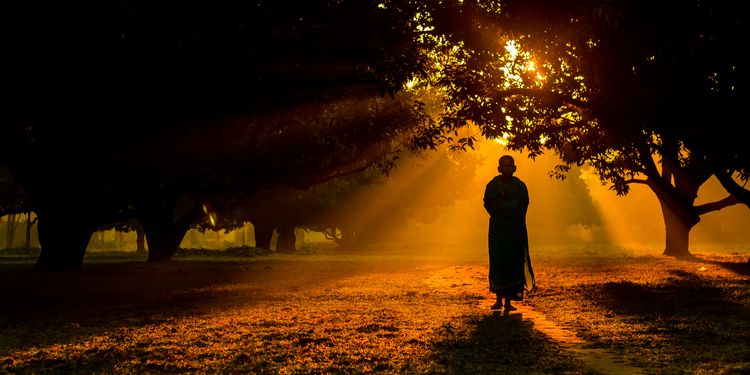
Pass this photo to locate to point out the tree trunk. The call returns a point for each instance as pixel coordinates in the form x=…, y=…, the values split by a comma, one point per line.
x=63, y=241
x=163, y=238
x=263, y=234
x=118, y=239
x=10, y=233
x=140, y=239
x=287, y=241
x=348, y=239
x=677, y=233
x=163, y=234
x=29, y=223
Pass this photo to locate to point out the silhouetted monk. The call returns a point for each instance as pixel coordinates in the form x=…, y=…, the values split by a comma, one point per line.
x=506, y=200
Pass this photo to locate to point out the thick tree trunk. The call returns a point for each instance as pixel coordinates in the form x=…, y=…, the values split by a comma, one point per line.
x=263, y=234
x=140, y=239
x=163, y=233
x=677, y=233
x=287, y=241
x=63, y=241
x=163, y=238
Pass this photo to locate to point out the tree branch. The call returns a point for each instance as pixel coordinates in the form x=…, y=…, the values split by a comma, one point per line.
x=545, y=95
x=732, y=187
x=730, y=200
x=330, y=234
x=636, y=181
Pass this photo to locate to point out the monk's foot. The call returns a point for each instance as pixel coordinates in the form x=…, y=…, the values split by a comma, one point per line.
x=509, y=307
x=497, y=306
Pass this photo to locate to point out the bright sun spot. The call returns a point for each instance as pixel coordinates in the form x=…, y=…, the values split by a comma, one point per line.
x=512, y=49
x=503, y=140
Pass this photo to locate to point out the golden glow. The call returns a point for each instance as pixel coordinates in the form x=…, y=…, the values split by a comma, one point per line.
x=211, y=214
x=633, y=221
x=515, y=63
x=512, y=49
x=503, y=140
x=411, y=83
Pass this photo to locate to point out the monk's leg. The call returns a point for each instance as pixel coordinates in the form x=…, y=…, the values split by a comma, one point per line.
x=498, y=304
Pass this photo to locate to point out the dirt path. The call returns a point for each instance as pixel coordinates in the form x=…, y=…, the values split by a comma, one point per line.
x=473, y=281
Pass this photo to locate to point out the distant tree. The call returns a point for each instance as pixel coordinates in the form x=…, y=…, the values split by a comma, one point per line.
x=29, y=225
x=371, y=206
x=13, y=200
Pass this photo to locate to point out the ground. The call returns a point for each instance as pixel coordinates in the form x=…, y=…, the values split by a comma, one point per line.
x=389, y=310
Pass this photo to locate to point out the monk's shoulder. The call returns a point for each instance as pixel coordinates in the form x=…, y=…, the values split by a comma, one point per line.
x=494, y=181
x=519, y=182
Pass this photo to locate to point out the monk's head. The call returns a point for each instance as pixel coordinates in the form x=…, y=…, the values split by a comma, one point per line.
x=506, y=165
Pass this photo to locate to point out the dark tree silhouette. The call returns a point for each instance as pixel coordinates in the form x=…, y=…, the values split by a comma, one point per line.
x=641, y=91
x=146, y=110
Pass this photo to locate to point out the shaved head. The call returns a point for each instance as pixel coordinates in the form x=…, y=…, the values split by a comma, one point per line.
x=506, y=160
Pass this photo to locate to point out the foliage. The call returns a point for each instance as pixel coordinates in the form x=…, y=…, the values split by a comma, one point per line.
x=162, y=106
x=610, y=84
x=12, y=198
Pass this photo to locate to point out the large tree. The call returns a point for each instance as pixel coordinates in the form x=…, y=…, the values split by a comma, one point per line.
x=623, y=86
x=147, y=109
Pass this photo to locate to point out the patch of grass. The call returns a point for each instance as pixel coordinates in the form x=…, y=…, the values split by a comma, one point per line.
x=273, y=316
x=666, y=314
x=246, y=312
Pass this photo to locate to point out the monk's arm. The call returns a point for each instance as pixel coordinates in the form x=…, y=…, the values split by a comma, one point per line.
x=524, y=198
x=492, y=199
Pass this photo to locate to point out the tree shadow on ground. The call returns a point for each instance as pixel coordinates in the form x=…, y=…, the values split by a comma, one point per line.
x=740, y=268
x=698, y=319
x=44, y=308
x=499, y=344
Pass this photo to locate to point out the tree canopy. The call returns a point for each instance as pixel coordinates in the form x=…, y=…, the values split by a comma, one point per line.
x=149, y=109
x=644, y=92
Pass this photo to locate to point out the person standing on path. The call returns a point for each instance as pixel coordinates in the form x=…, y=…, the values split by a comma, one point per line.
x=506, y=199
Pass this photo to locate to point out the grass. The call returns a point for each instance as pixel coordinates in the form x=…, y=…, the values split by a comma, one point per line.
x=380, y=311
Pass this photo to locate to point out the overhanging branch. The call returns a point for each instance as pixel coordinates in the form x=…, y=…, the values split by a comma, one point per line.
x=732, y=187
x=636, y=181
x=716, y=206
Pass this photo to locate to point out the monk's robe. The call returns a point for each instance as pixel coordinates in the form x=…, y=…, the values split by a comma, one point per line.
x=510, y=266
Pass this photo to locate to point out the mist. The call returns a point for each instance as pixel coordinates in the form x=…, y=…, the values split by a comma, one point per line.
x=441, y=210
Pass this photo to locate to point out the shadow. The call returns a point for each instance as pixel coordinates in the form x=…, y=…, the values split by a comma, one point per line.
x=39, y=309
x=689, y=316
x=741, y=267
x=498, y=343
